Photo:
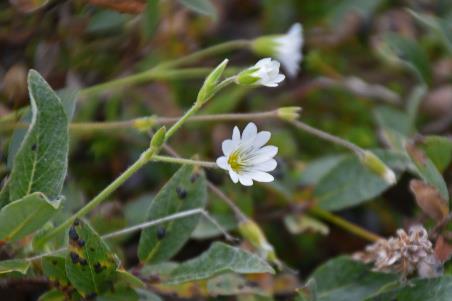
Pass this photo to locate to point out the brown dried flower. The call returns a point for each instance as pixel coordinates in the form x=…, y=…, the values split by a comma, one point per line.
x=405, y=254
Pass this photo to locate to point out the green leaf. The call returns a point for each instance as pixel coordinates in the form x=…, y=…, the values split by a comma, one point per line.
x=128, y=279
x=439, y=150
x=53, y=295
x=436, y=289
x=207, y=230
x=41, y=161
x=54, y=269
x=442, y=27
x=68, y=98
x=14, y=265
x=204, y=7
x=184, y=191
x=90, y=264
x=318, y=168
x=218, y=259
x=349, y=183
x=24, y=216
x=427, y=171
x=390, y=118
x=343, y=279
x=150, y=18
x=410, y=54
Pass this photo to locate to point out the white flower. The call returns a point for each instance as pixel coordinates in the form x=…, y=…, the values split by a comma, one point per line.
x=246, y=158
x=268, y=73
x=265, y=72
x=288, y=49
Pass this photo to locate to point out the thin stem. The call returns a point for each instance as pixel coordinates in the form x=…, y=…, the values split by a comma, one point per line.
x=328, y=137
x=196, y=56
x=159, y=70
x=238, y=213
x=328, y=216
x=181, y=121
x=344, y=224
x=145, y=225
x=128, y=124
x=144, y=158
x=185, y=161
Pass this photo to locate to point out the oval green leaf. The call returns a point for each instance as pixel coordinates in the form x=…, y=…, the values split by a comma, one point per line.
x=184, y=191
x=41, y=161
x=219, y=259
x=90, y=264
x=26, y=215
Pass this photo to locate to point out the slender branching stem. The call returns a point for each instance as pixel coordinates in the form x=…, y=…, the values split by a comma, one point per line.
x=145, y=225
x=104, y=194
x=238, y=213
x=327, y=136
x=167, y=159
x=344, y=224
x=131, y=124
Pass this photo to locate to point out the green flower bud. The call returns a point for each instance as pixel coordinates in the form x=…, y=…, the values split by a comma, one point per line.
x=145, y=123
x=247, y=77
x=159, y=138
x=289, y=113
x=210, y=83
x=372, y=162
x=254, y=235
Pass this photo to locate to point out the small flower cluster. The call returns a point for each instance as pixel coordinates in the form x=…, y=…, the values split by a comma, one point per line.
x=405, y=254
x=246, y=157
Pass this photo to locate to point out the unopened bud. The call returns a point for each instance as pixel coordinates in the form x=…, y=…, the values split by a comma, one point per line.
x=372, y=162
x=145, y=123
x=208, y=88
x=159, y=138
x=289, y=113
x=254, y=235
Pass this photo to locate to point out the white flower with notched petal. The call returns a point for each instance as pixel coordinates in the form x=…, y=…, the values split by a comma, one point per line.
x=265, y=72
x=285, y=48
x=246, y=158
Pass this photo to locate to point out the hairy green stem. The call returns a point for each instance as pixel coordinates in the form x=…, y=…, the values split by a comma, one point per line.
x=167, y=159
x=161, y=69
x=196, y=56
x=328, y=137
x=104, y=194
x=344, y=224
x=129, y=124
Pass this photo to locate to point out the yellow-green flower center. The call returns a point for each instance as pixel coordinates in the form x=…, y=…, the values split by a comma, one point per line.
x=235, y=162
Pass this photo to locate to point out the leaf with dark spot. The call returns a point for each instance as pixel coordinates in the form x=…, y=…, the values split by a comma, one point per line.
x=81, y=272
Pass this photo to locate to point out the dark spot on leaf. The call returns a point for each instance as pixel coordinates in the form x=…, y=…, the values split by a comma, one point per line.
x=91, y=249
x=181, y=192
x=81, y=242
x=76, y=222
x=74, y=257
x=33, y=147
x=194, y=177
x=97, y=267
x=54, y=262
x=73, y=234
x=83, y=261
x=161, y=232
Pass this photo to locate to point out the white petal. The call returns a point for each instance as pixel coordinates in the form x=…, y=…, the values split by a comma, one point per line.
x=236, y=134
x=266, y=166
x=262, y=138
x=279, y=78
x=222, y=162
x=264, y=154
x=249, y=132
x=261, y=176
x=228, y=147
x=234, y=176
x=295, y=29
x=245, y=180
